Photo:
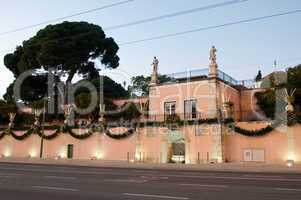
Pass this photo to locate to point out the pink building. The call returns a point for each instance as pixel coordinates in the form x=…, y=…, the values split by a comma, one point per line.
x=187, y=122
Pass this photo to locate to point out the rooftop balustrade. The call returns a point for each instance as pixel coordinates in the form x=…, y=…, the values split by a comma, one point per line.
x=203, y=73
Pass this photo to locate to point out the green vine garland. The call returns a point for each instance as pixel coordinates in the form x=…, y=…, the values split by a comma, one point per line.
x=257, y=133
x=120, y=136
x=20, y=137
x=48, y=137
x=253, y=133
x=76, y=136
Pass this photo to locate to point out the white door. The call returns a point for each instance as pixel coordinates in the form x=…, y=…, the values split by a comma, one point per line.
x=248, y=155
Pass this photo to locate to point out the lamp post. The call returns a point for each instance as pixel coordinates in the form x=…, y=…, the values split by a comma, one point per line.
x=43, y=126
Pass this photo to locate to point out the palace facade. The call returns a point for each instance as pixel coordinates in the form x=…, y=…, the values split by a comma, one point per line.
x=201, y=116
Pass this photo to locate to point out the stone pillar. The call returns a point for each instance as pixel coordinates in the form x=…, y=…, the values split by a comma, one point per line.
x=154, y=77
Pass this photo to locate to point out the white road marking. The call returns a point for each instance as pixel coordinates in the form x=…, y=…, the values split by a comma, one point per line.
x=288, y=189
x=260, y=176
x=55, y=188
x=210, y=186
x=125, y=181
x=60, y=177
x=156, y=196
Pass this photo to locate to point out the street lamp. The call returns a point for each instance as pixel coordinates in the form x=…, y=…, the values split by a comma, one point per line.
x=43, y=126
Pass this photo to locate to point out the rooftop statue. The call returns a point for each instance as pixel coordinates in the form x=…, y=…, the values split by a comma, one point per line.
x=154, y=77
x=213, y=55
x=155, y=64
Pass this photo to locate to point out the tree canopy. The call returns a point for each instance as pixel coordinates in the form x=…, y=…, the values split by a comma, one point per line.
x=140, y=84
x=70, y=48
x=29, y=90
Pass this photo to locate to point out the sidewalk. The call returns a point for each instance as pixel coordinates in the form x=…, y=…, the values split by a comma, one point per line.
x=224, y=167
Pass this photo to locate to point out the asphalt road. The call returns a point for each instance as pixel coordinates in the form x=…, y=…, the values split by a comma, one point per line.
x=44, y=182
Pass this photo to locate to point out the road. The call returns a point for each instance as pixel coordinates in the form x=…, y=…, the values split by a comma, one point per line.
x=46, y=182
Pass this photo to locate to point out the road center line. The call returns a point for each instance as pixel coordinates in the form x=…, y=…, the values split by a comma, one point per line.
x=201, y=185
x=156, y=196
x=55, y=188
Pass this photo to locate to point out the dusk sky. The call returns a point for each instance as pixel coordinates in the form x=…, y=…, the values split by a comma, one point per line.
x=243, y=49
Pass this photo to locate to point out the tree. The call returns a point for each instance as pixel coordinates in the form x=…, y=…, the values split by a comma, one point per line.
x=259, y=76
x=294, y=82
x=29, y=90
x=70, y=48
x=140, y=84
x=111, y=89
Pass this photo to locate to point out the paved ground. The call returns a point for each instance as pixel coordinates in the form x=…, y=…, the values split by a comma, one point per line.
x=49, y=182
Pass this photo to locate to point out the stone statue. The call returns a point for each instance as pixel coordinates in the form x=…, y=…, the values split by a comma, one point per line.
x=67, y=113
x=154, y=78
x=213, y=55
x=11, y=120
x=102, y=110
x=37, y=114
x=155, y=64
x=213, y=65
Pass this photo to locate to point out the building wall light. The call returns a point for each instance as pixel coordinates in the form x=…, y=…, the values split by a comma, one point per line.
x=7, y=153
x=290, y=163
x=33, y=153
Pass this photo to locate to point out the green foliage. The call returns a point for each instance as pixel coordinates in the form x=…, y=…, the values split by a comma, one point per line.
x=294, y=82
x=33, y=88
x=266, y=102
x=5, y=109
x=109, y=87
x=140, y=84
x=69, y=47
x=83, y=100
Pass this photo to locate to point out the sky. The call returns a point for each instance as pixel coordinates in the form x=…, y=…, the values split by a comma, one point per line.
x=243, y=49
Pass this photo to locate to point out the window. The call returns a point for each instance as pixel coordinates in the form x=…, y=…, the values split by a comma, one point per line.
x=170, y=108
x=190, y=109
